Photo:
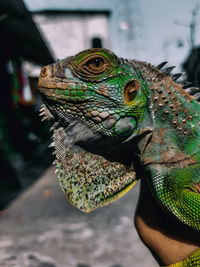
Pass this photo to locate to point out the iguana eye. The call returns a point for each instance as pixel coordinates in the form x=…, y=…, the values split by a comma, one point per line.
x=130, y=91
x=94, y=64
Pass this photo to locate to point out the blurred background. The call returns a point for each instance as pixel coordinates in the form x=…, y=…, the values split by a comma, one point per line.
x=38, y=32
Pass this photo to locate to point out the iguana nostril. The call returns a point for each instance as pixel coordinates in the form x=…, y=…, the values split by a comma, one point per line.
x=44, y=72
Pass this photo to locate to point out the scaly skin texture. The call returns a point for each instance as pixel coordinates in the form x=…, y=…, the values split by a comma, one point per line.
x=192, y=260
x=126, y=114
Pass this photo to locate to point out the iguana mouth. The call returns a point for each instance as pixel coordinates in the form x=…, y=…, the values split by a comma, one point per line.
x=60, y=90
x=50, y=95
x=61, y=85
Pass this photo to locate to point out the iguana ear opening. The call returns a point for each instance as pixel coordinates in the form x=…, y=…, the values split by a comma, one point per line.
x=130, y=91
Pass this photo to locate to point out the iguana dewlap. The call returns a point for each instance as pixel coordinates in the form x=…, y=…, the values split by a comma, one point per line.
x=126, y=114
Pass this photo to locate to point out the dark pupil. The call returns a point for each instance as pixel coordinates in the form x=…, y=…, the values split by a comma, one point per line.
x=97, y=62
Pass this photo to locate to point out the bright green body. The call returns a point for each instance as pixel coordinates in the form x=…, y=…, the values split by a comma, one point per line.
x=137, y=115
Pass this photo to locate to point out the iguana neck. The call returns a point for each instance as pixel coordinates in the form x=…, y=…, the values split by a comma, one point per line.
x=176, y=118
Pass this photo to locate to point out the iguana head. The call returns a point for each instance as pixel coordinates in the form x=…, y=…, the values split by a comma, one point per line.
x=102, y=91
x=101, y=103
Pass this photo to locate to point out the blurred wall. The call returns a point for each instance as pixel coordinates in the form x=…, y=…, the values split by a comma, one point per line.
x=153, y=30
x=69, y=33
x=123, y=24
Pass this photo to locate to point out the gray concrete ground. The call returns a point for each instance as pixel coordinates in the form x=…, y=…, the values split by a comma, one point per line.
x=41, y=229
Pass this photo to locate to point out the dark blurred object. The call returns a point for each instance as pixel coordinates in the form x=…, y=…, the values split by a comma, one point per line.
x=192, y=66
x=19, y=34
x=24, y=151
x=96, y=42
x=24, y=140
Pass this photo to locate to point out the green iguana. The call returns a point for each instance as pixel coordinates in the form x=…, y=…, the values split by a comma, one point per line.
x=135, y=122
